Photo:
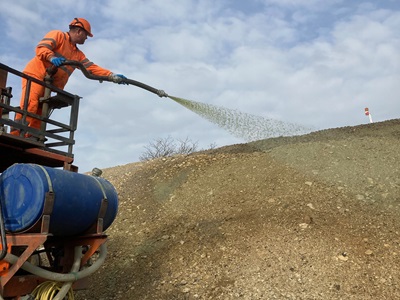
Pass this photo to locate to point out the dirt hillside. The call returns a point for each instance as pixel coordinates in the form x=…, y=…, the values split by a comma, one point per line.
x=308, y=217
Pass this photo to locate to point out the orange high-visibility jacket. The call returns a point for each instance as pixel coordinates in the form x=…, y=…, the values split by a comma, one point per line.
x=58, y=43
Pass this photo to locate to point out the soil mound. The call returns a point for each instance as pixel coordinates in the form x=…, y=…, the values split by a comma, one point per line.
x=306, y=217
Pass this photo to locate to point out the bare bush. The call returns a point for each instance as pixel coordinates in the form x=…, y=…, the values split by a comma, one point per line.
x=165, y=147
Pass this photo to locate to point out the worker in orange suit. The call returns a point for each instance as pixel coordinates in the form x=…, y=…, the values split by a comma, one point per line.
x=54, y=49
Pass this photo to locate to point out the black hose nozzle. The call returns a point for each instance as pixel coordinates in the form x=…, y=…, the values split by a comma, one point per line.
x=161, y=93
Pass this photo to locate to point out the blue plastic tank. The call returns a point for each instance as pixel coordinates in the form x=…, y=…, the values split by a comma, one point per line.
x=77, y=199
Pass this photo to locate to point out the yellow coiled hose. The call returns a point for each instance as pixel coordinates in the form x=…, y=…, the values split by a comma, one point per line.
x=49, y=289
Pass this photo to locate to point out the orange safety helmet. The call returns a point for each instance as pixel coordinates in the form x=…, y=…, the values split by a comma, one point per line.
x=82, y=23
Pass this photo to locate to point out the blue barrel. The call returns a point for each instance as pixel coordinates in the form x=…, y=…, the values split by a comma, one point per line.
x=78, y=200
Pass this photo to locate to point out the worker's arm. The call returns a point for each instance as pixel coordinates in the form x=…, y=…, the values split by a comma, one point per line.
x=93, y=68
x=51, y=46
x=99, y=71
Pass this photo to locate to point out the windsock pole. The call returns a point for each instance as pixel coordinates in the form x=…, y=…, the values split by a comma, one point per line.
x=367, y=113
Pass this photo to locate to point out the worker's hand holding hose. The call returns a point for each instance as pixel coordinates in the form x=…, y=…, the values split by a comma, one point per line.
x=57, y=61
x=118, y=78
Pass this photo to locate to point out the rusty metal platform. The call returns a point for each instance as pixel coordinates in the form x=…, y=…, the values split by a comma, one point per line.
x=15, y=149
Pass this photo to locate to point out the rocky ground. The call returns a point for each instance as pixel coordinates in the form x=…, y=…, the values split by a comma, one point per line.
x=308, y=217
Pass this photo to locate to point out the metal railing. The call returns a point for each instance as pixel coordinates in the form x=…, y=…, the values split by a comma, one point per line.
x=54, y=135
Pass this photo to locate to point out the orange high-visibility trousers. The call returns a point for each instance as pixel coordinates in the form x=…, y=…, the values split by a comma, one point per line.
x=36, y=92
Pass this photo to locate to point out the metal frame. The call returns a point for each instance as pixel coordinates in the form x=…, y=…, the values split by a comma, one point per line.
x=53, y=142
x=18, y=149
x=58, y=152
x=38, y=236
x=62, y=99
x=10, y=279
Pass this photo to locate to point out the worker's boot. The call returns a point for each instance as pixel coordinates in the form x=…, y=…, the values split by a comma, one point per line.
x=16, y=131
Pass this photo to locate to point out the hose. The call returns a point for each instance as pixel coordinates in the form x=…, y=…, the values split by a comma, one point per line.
x=70, y=277
x=3, y=236
x=53, y=69
x=50, y=290
x=66, y=288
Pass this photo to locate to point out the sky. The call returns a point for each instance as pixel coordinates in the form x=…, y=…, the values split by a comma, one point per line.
x=315, y=63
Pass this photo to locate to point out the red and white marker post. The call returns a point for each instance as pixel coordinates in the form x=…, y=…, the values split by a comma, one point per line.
x=367, y=113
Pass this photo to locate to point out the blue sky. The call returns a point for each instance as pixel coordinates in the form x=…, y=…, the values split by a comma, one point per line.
x=311, y=62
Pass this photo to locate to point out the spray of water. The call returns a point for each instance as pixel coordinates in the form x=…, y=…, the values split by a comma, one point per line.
x=242, y=125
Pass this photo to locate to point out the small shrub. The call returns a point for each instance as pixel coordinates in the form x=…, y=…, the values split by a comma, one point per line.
x=165, y=147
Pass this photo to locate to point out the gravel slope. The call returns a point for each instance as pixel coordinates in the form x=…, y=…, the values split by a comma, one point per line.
x=308, y=217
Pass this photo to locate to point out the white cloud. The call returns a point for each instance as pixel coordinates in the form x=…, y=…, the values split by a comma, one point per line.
x=294, y=61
